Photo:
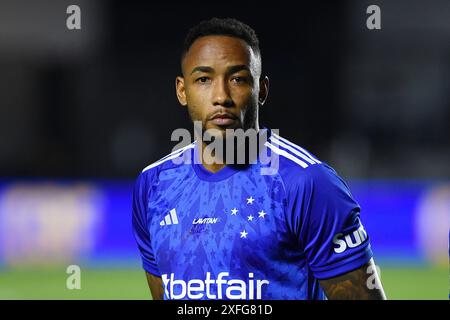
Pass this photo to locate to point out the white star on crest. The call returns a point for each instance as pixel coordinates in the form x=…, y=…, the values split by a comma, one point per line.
x=244, y=234
x=262, y=214
x=250, y=200
x=250, y=218
x=234, y=211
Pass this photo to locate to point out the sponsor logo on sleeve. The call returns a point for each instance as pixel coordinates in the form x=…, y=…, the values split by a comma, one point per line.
x=351, y=240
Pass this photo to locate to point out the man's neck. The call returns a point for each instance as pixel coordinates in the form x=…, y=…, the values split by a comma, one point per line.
x=214, y=167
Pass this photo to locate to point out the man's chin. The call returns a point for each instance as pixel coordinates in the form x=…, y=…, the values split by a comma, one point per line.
x=216, y=132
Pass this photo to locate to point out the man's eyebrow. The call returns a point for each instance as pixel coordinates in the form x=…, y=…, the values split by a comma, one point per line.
x=202, y=69
x=230, y=70
x=234, y=69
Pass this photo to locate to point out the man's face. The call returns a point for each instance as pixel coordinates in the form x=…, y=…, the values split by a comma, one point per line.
x=221, y=83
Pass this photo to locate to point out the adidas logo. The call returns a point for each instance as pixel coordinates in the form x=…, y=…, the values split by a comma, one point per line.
x=170, y=218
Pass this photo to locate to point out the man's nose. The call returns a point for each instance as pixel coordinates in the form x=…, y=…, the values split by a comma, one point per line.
x=221, y=94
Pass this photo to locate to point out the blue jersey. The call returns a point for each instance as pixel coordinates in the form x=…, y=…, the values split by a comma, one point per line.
x=240, y=234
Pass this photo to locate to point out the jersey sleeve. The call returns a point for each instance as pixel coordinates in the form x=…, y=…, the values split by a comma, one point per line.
x=326, y=221
x=140, y=224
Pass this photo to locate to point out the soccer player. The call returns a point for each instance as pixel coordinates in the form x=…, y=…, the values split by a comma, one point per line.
x=215, y=230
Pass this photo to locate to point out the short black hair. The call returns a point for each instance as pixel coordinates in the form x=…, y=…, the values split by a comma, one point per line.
x=224, y=27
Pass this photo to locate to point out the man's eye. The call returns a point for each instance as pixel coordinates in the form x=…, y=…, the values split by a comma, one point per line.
x=203, y=79
x=239, y=79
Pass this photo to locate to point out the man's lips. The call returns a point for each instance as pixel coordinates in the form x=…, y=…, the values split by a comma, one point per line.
x=223, y=119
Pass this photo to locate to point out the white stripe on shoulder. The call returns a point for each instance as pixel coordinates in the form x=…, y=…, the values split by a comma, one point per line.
x=291, y=149
x=189, y=146
x=170, y=156
x=300, y=149
x=286, y=154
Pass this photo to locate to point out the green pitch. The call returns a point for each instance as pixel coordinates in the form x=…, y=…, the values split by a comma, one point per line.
x=399, y=283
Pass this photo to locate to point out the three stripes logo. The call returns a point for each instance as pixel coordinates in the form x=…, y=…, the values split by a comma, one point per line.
x=170, y=218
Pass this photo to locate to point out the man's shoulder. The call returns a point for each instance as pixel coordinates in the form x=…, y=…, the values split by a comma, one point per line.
x=172, y=160
x=296, y=165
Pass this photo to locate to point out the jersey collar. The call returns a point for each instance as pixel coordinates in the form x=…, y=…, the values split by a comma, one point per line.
x=223, y=173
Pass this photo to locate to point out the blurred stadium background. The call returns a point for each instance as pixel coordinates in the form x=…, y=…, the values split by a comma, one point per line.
x=82, y=112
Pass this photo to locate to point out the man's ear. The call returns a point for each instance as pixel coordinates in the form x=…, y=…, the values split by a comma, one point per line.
x=263, y=90
x=181, y=90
